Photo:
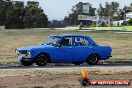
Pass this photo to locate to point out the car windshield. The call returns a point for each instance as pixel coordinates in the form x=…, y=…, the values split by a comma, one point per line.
x=52, y=40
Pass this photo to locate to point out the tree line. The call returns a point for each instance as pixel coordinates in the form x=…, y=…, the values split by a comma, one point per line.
x=109, y=9
x=14, y=14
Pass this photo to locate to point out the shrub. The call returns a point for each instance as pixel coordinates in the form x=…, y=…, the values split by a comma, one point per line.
x=129, y=22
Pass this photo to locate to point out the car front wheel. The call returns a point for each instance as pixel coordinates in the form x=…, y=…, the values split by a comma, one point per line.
x=26, y=63
x=42, y=60
x=77, y=63
x=93, y=59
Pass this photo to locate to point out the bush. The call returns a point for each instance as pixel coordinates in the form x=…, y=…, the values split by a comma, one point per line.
x=129, y=22
x=124, y=23
x=93, y=24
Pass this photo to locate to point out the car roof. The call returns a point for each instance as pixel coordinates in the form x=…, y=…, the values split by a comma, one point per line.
x=63, y=35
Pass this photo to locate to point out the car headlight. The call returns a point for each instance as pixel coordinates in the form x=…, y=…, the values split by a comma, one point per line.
x=28, y=53
x=16, y=51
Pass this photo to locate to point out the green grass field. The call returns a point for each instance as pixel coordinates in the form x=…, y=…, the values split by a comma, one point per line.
x=11, y=39
x=127, y=28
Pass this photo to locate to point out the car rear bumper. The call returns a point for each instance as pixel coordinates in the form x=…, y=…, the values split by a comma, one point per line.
x=109, y=56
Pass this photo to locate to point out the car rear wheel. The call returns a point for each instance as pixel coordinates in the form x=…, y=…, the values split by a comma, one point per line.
x=93, y=59
x=26, y=63
x=42, y=60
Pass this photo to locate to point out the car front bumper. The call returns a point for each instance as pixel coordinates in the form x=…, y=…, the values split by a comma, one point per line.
x=24, y=58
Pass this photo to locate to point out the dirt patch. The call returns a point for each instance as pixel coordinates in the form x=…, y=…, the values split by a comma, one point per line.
x=59, y=77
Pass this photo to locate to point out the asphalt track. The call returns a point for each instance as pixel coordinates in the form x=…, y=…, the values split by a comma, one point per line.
x=67, y=65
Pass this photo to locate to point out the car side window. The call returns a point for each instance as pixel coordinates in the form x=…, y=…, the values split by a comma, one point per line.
x=80, y=41
x=66, y=41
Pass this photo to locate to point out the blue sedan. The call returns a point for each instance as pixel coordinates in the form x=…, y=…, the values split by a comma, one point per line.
x=64, y=48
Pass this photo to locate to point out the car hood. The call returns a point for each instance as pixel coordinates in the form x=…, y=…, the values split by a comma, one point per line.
x=34, y=47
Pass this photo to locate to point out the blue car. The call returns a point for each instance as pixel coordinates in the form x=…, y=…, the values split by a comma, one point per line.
x=64, y=48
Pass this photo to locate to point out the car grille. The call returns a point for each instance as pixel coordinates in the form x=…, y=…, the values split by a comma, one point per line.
x=23, y=52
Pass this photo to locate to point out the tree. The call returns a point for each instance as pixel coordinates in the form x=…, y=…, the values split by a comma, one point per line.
x=102, y=11
x=128, y=9
x=119, y=15
x=109, y=10
x=34, y=16
x=56, y=24
x=14, y=15
x=129, y=22
x=4, y=6
x=76, y=10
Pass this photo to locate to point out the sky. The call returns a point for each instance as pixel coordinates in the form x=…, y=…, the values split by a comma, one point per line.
x=58, y=9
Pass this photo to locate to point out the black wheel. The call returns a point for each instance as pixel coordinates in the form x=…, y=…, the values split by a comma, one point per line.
x=26, y=63
x=77, y=63
x=93, y=59
x=42, y=60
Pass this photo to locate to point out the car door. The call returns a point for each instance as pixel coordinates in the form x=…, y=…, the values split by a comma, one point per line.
x=65, y=50
x=81, y=48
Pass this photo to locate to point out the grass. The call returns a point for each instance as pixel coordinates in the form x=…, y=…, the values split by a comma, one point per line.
x=127, y=28
x=11, y=39
x=68, y=28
